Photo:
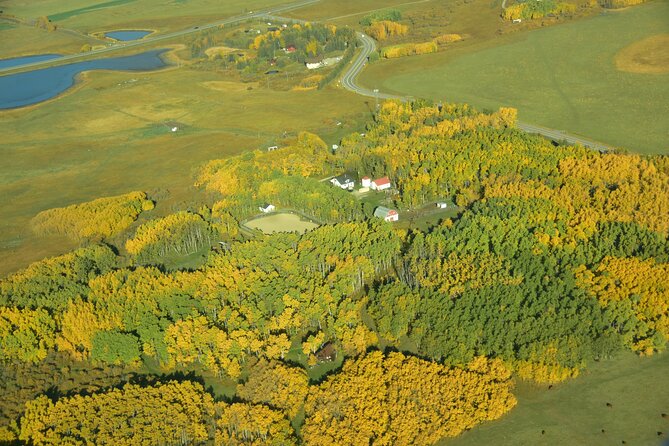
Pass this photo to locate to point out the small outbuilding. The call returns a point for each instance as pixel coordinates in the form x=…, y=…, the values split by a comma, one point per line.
x=343, y=181
x=314, y=62
x=442, y=205
x=386, y=214
x=380, y=184
x=266, y=208
x=366, y=182
x=327, y=352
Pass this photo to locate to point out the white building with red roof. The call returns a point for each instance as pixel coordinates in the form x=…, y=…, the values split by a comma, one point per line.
x=380, y=184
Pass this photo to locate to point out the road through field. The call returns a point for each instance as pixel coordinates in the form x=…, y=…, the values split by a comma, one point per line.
x=348, y=81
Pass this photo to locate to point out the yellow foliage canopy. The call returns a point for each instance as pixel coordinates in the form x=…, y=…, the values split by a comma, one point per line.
x=641, y=283
x=174, y=413
x=384, y=29
x=401, y=400
x=103, y=217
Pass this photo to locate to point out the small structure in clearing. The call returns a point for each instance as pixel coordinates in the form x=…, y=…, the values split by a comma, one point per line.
x=327, y=352
x=386, y=214
x=366, y=182
x=267, y=208
x=442, y=205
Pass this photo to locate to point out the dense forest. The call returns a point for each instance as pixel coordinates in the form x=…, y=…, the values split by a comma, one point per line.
x=558, y=257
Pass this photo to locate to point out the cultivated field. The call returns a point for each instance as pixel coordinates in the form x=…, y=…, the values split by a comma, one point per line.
x=281, y=222
x=563, y=77
x=112, y=135
x=575, y=412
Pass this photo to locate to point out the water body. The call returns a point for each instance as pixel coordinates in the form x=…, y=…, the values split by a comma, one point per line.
x=32, y=87
x=127, y=35
x=16, y=61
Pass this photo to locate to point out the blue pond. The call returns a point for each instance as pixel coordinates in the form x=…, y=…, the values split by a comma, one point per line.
x=16, y=61
x=31, y=87
x=127, y=35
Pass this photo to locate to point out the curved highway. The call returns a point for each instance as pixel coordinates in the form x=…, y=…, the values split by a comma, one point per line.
x=348, y=81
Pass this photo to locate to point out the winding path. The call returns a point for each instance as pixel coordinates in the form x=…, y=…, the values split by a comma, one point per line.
x=368, y=46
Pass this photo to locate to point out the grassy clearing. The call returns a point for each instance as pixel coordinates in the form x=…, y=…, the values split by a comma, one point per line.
x=561, y=77
x=282, y=223
x=575, y=412
x=74, y=12
x=349, y=12
x=24, y=40
x=109, y=136
x=171, y=15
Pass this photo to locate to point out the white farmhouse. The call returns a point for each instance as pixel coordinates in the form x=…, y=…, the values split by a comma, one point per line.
x=343, y=181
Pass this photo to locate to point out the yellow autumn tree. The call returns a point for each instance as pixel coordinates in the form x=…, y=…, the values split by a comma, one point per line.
x=26, y=335
x=103, y=217
x=402, y=400
x=171, y=413
x=243, y=424
x=643, y=285
x=276, y=385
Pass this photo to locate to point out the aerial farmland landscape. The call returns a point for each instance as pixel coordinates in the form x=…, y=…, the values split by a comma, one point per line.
x=334, y=222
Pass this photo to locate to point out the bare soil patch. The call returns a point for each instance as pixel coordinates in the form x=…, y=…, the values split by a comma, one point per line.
x=229, y=86
x=647, y=56
x=282, y=223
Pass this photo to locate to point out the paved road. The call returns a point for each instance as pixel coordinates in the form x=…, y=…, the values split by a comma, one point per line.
x=348, y=81
x=161, y=37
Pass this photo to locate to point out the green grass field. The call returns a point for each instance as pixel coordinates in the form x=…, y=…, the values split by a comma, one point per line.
x=101, y=15
x=108, y=136
x=575, y=412
x=282, y=222
x=561, y=77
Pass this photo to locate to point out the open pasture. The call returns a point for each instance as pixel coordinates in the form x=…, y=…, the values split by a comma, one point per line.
x=282, y=222
x=576, y=412
x=100, y=15
x=22, y=40
x=562, y=77
x=112, y=134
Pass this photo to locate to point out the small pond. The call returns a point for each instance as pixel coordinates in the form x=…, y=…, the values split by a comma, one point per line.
x=127, y=35
x=32, y=87
x=16, y=61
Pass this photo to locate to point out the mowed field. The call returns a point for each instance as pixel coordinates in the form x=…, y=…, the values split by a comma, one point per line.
x=112, y=134
x=575, y=413
x=563, y=77
x=282, y=222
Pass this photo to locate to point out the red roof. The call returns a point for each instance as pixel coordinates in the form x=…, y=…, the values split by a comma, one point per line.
x=382, y=181
x=365, y=178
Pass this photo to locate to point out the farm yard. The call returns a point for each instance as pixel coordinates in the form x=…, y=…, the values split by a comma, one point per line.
x=104, y=150
x=580, y=90
x=282, y=222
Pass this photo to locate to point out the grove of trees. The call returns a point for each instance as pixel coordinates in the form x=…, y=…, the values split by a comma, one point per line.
x=558, y=257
